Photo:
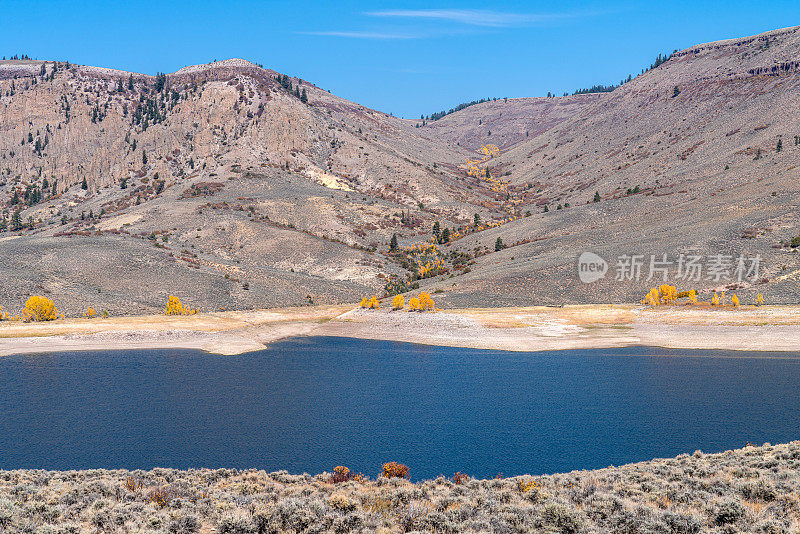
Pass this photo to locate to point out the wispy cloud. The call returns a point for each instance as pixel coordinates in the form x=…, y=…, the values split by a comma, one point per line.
x=444, y=22
x=472, y=17
x=366, y=35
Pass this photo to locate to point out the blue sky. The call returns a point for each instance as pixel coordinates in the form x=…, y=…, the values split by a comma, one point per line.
x=406, y=58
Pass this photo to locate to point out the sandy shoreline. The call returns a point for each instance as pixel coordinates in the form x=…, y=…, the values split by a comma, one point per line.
x=768, y=328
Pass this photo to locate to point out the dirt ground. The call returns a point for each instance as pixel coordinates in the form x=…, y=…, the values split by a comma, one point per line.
x=766, y=328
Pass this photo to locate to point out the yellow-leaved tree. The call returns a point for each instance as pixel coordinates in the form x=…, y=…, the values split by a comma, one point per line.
x=715, y=299
x=693, y=296
x=90, y=313
x=653, y=298
x=735, y=301
x=413, y=304
x=426, y=302
x=398, y=302
x=760, y=299
x=39, y=309
x=668, y=293
x=371, y=304
x=175, y=307
x=3, y=315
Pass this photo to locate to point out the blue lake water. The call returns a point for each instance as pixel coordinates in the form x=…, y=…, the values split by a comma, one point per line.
x=309, y=404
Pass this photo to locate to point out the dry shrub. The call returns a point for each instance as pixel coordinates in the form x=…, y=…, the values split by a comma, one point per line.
x=527, y=484
x=133, y=485
x=343, y=474
x=412, y=517
x=161, y=496
x=460, y=478
x=394, y=470
x=339, y=501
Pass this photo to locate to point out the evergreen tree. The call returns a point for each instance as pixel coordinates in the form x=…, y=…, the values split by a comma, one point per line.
x=161, y=81
x=144, y=157
x=16, y=221
x=84, y=185
x=130, y=82
x=476, y=220
x=304, y=96
x=498, y=245
x=436, y=230
x=780, y=145
x=596, y=196
x=393, y=243
x=445, y=235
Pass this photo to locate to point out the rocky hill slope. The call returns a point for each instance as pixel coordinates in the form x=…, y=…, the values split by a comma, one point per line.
x=236, y=186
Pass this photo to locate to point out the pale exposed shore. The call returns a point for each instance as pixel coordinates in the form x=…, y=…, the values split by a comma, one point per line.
x=768, y=328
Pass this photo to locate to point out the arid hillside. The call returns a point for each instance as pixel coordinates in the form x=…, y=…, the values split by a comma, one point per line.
x=753, y=489
x=235, y=186
x=507, y=121
x=695, y=157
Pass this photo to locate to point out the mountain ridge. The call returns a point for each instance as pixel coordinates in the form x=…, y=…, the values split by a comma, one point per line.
x=230, y=169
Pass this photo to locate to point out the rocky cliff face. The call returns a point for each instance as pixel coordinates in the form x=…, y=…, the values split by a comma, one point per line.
x=68, y=123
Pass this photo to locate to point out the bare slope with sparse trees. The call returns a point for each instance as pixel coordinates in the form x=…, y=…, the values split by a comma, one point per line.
x=236, y=186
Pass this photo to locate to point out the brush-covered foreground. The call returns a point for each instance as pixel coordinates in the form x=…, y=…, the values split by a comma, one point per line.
x=755, y=489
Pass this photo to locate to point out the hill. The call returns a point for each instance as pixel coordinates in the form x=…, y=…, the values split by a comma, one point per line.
x=235, y=186
x=753, y=489
x=697, y=157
